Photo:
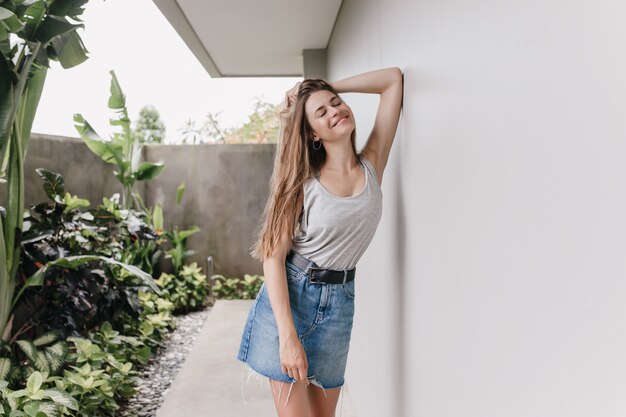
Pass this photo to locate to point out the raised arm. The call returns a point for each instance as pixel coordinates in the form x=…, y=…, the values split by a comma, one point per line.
x=387, y=82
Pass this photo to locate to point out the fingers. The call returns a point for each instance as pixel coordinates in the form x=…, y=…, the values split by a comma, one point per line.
x=292, y=93
x=294, y=89
x=302, y=375
x=298, y=373
x=293, y=361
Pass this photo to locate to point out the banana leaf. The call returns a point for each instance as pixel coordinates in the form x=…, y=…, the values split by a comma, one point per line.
x=74, y=261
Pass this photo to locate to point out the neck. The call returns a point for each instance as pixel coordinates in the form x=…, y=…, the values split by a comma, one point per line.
x=340, y=156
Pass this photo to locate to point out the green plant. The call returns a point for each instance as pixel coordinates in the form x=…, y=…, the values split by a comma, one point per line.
x=178, y=253
x=91, y=374
x=123, y=150
x=96, y=389
x=187, y=291
x=236, y=288
x=99, y=378
x=37, y=398
x=178, y=239
x=155, y=321
x=78, y=298
x=140, y=244
x=43, y=33
x=20, y=359
x=73, y=262
x=124, y=347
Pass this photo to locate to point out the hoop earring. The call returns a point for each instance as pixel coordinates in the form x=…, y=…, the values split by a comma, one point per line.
x=319, y=147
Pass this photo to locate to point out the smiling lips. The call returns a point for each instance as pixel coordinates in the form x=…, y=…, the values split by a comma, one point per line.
x=338, y=121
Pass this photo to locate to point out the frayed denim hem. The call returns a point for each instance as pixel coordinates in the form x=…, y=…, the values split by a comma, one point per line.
x=258, y=375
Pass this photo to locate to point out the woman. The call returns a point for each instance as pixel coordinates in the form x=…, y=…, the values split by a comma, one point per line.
x=324, y=206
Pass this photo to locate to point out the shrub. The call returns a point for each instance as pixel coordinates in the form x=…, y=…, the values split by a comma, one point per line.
x=188, y=291
x=236, y=288
x=155, y=322
x=78, y=299
x=20, y=359
x=36, y=399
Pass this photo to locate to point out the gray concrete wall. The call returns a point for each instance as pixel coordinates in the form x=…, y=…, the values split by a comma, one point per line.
x=85, y=174
x=226, y=190
x=226, y=187
x=495, y=283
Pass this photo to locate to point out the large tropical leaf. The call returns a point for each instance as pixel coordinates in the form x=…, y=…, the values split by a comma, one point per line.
x=33, y=16
x=110, y=152
x=53, y=26
x=71, y=8
x=149, y=170
x=30, y=101
x=53, y=182
x=6, y=103
x=75, y=261
x=15, y=209
x=7, y=285
x=5, y=13
x=10, y=23
x=117, y=102
x=69, y=48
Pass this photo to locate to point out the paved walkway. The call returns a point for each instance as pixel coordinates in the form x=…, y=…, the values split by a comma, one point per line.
x=210, y=381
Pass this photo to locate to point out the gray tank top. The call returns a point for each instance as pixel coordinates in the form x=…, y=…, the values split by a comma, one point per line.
x=335, y=231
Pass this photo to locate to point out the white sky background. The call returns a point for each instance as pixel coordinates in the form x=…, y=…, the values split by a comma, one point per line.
x=153, y=66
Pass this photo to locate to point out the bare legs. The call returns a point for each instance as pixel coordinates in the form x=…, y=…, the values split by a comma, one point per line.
x=290, y=404
x=322, y=405
x=303, y=401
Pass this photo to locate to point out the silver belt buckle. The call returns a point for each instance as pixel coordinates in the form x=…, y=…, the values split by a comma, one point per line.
x=345, y=276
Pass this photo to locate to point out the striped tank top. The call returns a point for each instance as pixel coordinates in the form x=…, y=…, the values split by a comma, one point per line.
x=335, y=231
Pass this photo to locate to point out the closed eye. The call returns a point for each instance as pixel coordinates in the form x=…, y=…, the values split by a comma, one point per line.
x=334, y=105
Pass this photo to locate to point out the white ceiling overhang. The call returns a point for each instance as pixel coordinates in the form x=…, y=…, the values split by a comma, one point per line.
x=247, y=38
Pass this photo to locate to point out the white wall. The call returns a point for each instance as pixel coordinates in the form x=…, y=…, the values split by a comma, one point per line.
x=496, y=283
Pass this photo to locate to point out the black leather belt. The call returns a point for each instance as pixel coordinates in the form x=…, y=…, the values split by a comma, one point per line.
x=319, y=275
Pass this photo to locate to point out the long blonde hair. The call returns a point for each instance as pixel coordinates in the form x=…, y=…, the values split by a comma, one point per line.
x=295, y=162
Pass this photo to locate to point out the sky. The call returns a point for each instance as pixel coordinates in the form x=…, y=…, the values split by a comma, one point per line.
x=153, y=66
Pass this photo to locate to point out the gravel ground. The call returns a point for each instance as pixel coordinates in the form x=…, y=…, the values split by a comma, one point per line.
x=159, y=373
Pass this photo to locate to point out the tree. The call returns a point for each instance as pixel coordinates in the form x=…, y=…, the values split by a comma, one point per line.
x=209, y=132
x=262, y=127
x=149, y=128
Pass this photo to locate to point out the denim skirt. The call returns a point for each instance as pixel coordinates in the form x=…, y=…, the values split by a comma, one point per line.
x=322, y=315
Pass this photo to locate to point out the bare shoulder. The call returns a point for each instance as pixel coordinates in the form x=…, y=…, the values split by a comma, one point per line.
x=374, y=160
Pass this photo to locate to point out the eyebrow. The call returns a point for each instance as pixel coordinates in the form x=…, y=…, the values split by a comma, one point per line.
x=321, y=107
